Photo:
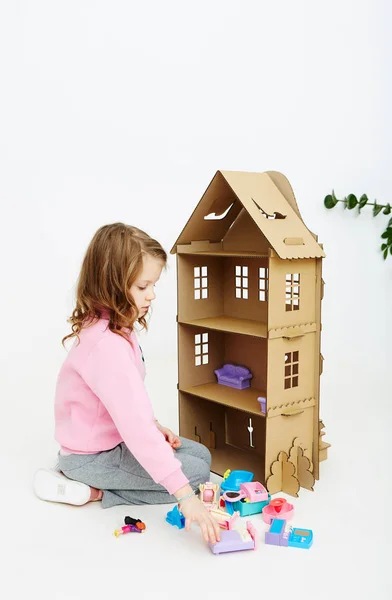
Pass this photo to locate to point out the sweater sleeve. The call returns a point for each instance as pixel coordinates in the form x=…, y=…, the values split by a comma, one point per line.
x=112, y=375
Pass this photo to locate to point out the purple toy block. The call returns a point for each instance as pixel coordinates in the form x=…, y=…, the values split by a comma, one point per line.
x=234, y=376
x=231, y=541
x=271, y=539
x=295, y=537
x=263, y=404
x=277, y=536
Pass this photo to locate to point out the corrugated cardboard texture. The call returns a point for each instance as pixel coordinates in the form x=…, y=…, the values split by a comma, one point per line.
x=323, y=446
x=246, y=236
x=283, y=185
x=298, y=443
x=319, y=286
x=280, y=431
x=188, y=307
x=282, y=477
x=251, y=306
x=221, y=309
x=249, y=294
x=216, y=199
x=284, y=369
x=243, y=400
x=246, y=432
x=267, y=207
x=296, y=280
x=222, y=348
x=302, y=467
x=243, y=326
x=198, y=418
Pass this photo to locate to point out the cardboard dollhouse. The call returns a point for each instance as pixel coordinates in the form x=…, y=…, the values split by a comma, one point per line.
x=249, y=295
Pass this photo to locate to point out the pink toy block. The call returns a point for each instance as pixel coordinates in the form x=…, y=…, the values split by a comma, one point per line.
x=278, y=508
x=209, y=494
x=225, y=521
x=254, y=491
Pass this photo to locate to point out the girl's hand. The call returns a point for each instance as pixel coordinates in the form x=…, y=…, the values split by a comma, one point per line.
x=194, y=510
x=170, y=437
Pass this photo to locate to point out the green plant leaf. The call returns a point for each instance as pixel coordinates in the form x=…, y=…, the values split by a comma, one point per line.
x=387, y=210
x=387, y=233
x=351, y=201
x=362, y=201
x=329, y=202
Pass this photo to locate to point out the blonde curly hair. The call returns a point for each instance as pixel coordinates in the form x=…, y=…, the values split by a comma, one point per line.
x=112, y=263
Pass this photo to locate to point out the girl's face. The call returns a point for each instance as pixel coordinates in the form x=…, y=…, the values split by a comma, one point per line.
x=142, y=289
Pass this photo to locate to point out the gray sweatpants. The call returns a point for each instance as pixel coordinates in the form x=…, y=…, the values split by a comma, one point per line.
x=124, y=481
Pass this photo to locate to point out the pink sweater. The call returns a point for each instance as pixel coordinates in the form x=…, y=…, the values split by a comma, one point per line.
x=101, y=401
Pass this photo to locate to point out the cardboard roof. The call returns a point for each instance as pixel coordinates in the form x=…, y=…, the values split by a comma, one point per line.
x=269, y=200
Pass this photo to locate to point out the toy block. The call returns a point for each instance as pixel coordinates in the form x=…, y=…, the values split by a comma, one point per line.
x=176, y=518
x=279, y=535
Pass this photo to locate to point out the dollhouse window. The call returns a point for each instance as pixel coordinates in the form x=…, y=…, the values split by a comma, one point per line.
x=292, y=291
x=291, y=368
x=263, y=284
x=201, y=349
x=200, y=283
x=241, y=282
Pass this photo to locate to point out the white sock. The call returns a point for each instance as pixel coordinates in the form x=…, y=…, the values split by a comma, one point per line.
x=56, y=467
x=55, y=487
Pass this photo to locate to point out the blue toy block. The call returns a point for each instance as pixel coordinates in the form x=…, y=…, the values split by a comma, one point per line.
x=249, y=508
x=294, y=537
x=176, y=518
x=229, y=507
x=234, y=480
x=301, y=538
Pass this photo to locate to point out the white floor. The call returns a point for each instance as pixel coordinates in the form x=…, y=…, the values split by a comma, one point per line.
x=56, y=552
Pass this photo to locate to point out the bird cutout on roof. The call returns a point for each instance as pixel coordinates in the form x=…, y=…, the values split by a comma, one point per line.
x=214, y=217
x=275, y=215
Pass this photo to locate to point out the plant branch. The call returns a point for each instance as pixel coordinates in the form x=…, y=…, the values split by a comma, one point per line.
x=351, y=202
x=367, y=203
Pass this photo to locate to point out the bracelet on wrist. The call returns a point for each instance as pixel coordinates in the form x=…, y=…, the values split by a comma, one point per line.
x=179, y=500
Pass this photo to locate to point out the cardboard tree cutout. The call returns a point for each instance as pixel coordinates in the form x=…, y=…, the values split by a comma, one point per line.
x=302, y=466
x=282, y=478
x=323, y=446
x=304, y=474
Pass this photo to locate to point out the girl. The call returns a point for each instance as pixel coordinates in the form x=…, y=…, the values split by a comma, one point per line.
x=112, y=448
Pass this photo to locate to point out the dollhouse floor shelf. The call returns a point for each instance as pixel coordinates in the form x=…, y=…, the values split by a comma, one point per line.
x=229, y=253
x=231, y=325
x=245, y=400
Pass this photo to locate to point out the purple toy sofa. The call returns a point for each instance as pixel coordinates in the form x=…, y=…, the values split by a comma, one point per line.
x=234, y=376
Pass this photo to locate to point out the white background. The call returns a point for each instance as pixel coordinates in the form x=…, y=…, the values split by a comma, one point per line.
x=124, y=111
